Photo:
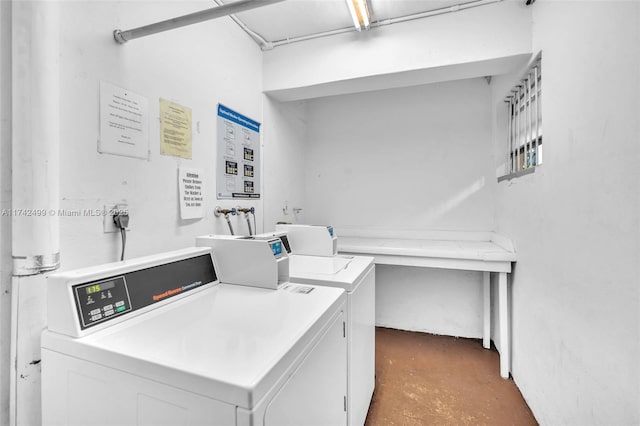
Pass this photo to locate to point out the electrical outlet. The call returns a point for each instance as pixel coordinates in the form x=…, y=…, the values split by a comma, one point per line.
x=108, y=226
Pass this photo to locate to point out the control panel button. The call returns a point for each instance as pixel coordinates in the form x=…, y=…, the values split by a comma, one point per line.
x=96, y=300
x=120, y=303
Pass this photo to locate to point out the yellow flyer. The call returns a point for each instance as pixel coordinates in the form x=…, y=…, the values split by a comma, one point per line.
x=175, y=129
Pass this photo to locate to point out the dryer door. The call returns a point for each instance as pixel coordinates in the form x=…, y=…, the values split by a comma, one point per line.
x=316, y=393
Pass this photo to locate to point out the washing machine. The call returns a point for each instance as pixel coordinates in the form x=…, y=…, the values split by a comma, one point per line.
x=320, y=265
x=160, y=341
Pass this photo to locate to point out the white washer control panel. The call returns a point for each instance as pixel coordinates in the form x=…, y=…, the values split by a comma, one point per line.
x=101, y=300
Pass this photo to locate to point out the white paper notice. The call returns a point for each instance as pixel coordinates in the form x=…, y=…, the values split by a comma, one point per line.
x=191, y=189
x=124, y=122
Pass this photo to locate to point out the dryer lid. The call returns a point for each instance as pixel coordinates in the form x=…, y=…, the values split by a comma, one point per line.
x=231, y=343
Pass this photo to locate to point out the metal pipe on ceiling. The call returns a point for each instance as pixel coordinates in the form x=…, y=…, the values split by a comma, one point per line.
x=264, y=44
x=450, y=9
x=274, y=44
x=193, y=18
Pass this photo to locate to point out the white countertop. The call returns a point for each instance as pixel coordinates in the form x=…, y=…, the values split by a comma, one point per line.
x=458, y=249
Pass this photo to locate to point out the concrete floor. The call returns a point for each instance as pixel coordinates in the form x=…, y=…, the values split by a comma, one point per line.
x=424, y=379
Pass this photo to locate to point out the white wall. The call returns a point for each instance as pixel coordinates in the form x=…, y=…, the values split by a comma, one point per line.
x=285, y=141
x=196, y=66
x=5, y=203
x=408, y=159
x=575, y=221
x=464, y=44
x=402, y=159
x=431, y=300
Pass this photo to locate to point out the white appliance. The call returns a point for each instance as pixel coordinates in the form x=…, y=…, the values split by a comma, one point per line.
x=314, y=240
x=249, y=261
x=159, y=341
x=354, y=274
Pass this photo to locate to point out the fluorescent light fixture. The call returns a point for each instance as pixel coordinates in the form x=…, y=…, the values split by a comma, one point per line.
x=359, y=13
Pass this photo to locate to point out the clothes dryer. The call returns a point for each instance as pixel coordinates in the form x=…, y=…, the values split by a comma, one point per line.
x=159, y=341
x=354, y=274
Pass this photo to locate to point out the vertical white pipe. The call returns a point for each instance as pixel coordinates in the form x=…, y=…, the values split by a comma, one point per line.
x=35, y=193
x=35, y=136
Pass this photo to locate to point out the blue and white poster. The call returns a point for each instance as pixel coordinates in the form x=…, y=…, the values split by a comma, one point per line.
x=238, y=164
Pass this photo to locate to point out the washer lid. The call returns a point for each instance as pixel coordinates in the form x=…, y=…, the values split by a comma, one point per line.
x=323, y=265
x=334, y=271
x=231, y=343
